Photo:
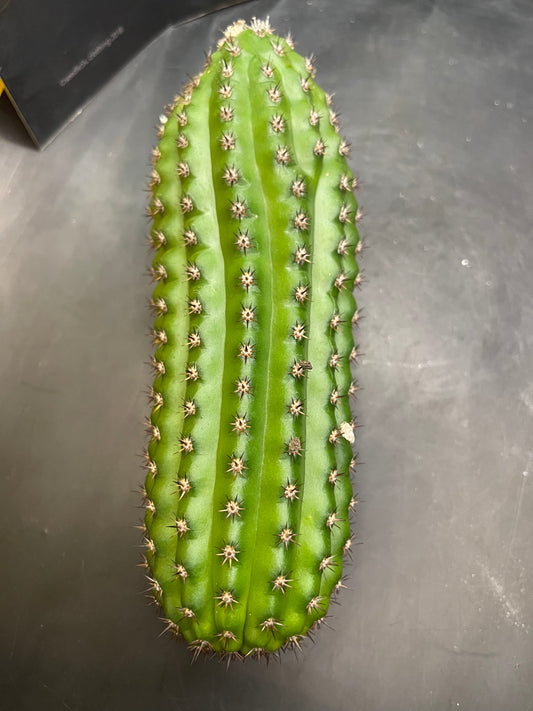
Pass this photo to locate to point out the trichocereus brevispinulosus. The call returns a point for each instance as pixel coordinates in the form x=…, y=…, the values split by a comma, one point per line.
x=254, y=230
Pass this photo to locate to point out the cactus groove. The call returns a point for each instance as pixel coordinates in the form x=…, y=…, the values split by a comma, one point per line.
x=248, y=490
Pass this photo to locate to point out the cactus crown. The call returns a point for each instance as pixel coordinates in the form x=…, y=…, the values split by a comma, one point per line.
x=247, y=490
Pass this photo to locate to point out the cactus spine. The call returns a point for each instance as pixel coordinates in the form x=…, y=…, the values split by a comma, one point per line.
x=247, y=491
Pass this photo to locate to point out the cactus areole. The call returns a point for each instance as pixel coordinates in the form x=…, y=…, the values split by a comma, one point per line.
x=248, y=490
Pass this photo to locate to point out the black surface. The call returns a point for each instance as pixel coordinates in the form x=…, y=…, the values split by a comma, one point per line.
x=436, y=99
x=55, y=55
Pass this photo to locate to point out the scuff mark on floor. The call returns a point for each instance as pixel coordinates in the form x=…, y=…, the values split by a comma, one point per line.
x=511, y=611
x=527, y=398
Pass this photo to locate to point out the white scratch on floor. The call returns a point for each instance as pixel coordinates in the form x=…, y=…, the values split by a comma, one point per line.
x=510, y=610
x=518, y=512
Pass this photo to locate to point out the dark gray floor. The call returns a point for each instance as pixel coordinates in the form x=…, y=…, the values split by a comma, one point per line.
x=436, y=98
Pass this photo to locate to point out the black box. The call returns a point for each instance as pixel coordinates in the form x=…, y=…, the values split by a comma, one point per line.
x=56, y=54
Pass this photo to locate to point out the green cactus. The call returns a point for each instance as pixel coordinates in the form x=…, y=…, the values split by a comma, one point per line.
x=248, y=491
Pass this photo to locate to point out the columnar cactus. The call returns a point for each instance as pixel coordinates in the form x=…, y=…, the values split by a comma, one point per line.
x=248, y=491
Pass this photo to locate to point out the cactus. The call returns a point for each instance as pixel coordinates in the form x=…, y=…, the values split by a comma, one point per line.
x=248, y=492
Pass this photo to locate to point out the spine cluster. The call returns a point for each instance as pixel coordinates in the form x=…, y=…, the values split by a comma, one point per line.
x=248, y=491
